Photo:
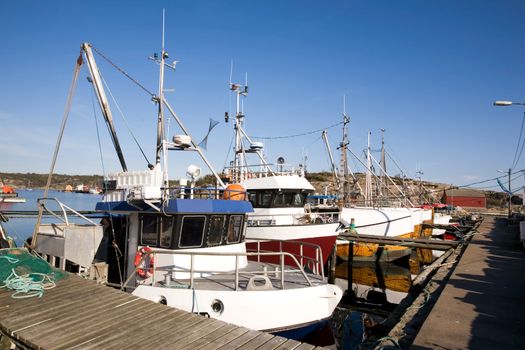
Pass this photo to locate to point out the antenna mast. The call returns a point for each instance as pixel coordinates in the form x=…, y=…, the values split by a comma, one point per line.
x=162, y=146
x=239, y=170
x=344, y=188
x=368, y=187
x=383, y=160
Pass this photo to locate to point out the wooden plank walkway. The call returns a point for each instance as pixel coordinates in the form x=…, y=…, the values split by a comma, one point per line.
x=80, y=314
x=424, y=243
x=483, y=303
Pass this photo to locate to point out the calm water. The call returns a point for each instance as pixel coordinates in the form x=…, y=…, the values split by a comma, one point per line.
x=378, y=288
x=22, y=228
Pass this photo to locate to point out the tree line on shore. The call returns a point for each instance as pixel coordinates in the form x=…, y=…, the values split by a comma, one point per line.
x=319, y=179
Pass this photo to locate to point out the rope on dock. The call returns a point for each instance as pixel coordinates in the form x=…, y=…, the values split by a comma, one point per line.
x=27, y=275
x=27, y=285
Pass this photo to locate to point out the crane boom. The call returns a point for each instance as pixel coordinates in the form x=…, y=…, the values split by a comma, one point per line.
x=103, y=101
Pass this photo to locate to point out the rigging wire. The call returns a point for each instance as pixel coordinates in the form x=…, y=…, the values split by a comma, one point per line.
x=118, y=252
x=123, y=72
x=125, y=119
x=295, y=135
x=229, y=150
x=516, y=160
x=393, y=160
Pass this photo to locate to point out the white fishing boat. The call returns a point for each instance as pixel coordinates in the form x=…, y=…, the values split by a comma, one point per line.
x=185, y=247
x=401, y=221
x=278, y=194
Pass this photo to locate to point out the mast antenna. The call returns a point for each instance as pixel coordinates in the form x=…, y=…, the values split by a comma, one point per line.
x=231, y=72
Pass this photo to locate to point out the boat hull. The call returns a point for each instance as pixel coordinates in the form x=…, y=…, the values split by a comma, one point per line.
x=264, y=310
x=385, y=222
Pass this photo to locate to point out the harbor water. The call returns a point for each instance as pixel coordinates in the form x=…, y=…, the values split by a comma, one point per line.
x=21, y=228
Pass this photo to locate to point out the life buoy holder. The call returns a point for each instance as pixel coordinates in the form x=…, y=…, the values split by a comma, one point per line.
x=143, y=271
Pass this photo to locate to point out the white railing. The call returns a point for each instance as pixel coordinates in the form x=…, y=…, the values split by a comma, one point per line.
x=64, y=218
x=315, y=263
x=282, y=270
x=308, y=218
x=183, y=192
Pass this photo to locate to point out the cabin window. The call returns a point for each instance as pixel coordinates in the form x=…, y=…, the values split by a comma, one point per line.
x=216, y=229
x=265, y=199
x=234, y=229
x=274, y=199
x=298, y=199
x=260, y=199
x=166, y=230
x=252, y=197
x=192, y=231
x=149, y=230
x=283, y=199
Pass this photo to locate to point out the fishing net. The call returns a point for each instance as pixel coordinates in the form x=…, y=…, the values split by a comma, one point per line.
x=27, y=275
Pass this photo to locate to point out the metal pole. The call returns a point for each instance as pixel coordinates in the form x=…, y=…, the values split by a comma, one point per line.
x=510, y=196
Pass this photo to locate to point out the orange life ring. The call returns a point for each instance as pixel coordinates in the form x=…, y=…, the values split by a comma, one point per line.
x=144, y=272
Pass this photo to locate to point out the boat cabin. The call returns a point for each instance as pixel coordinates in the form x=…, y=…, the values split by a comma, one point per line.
x=277, y=198
x=279, y=191
x=182, y=231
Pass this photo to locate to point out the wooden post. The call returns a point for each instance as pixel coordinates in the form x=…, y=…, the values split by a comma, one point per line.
x=350, y=264
x=332, y=263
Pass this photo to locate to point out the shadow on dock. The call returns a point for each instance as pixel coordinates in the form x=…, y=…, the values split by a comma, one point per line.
x=483, y=304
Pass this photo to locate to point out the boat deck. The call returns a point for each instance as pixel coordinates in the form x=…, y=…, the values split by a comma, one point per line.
x=256, y=271
x=81, y=314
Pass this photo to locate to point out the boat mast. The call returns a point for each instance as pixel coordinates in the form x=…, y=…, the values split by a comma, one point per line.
x=383, y=161
x=368, y=187
x=240, y=159
x=161, y=133
x=344, y=190
x=332, y=163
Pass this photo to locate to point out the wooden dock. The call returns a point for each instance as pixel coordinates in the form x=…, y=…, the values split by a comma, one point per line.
x=424, y=243
x=80, y=314
x=483, y=303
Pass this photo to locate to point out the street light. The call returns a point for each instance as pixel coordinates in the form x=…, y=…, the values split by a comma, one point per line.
x=510, y=193
x=503, y=103
x=507, y=103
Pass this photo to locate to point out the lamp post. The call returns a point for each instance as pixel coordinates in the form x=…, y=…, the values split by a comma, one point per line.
x=502, y=103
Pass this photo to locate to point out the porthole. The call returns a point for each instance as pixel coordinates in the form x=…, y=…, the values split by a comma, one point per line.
x=217, y=306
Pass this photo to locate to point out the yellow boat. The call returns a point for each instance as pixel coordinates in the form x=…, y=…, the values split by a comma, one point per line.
x=392, y=277
x=390, y=253
x=372, y=251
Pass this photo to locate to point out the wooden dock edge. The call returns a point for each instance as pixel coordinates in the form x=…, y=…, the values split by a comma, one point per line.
x=406, y=320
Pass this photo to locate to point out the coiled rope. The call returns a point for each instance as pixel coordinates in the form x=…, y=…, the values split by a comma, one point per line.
x=28, y=285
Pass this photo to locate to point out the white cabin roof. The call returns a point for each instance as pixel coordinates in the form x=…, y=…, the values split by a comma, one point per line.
x=279, y=182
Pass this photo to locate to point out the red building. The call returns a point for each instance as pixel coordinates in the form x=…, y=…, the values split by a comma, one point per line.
x=464, y=197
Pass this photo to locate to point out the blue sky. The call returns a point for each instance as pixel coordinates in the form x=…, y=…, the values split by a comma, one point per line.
x=426, y=71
